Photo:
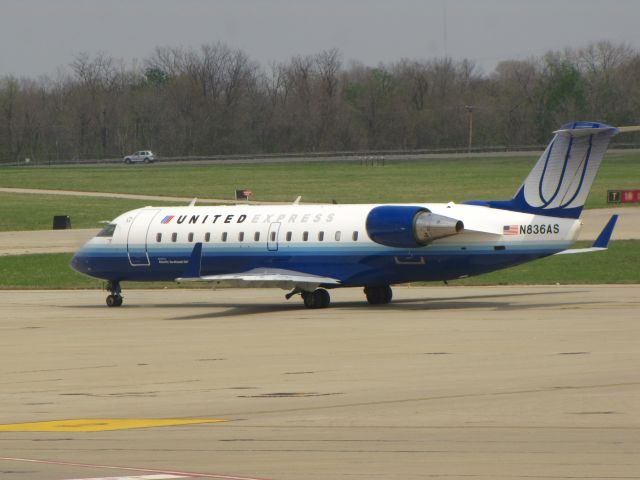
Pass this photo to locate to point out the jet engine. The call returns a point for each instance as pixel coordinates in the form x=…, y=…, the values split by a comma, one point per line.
x=409, y=226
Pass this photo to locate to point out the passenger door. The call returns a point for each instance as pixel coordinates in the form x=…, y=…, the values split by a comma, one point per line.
x=137, y=237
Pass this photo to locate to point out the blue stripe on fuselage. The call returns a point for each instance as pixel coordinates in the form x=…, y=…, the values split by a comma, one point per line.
x=353, y=266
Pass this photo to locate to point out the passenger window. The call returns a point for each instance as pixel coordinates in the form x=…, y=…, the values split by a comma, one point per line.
x=241, y=237
x=256, y=236
x=338, y=234
x=320, y=236
x=273, y=236
x=174, y=237
x=224, y=236
x=158, y=237
x=190, y=237
x=355, y=236
x=289, y=235
x=207, y=237
x=107, y=231
x=305, y=236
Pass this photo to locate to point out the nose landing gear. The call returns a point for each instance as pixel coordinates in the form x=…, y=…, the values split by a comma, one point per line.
x=114, y=299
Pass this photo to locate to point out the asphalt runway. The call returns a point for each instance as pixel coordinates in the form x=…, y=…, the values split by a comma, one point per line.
x=446, y=382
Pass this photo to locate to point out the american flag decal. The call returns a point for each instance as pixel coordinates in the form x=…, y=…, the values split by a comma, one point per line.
x=510, y=230
x=167, y=219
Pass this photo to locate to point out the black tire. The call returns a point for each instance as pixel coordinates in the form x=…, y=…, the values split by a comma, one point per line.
x=378, y=295
x=319, y=298
x=127, y=161
x=146, y=160
x=114, y=300
x=323, y=299
x=308, y=299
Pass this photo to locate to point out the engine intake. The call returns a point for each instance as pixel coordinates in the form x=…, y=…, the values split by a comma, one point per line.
x=409, y=226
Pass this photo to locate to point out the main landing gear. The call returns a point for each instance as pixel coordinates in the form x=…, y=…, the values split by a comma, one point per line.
x=114, y=299
x=319, y=298
x=378, y=295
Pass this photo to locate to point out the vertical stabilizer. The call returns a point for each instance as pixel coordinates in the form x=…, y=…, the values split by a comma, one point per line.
x=560, y=181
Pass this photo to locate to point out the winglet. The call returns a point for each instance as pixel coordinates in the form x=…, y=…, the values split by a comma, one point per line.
x=605, y=235
x=192, y=270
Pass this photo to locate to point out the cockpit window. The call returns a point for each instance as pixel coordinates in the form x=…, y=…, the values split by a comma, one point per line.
x=107, y=231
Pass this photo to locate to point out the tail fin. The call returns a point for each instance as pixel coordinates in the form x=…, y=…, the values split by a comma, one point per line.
x=560, y=181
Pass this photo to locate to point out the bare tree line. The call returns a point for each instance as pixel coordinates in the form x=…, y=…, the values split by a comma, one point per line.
x=216, y=100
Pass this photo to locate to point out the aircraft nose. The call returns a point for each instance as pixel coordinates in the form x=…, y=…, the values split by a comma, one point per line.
x=80, y=262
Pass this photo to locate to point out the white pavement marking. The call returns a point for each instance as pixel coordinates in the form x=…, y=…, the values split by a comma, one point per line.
x=160, y=476
x=130, y=469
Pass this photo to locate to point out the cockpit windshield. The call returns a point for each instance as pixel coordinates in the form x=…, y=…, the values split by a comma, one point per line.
x=107, y=231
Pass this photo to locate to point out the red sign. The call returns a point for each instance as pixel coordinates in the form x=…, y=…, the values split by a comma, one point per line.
x=243, y=194
x=630, y=196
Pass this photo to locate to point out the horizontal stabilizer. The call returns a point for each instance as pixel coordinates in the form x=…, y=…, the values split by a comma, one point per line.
x=601, y=243
x=635, y=128
x=585, y=131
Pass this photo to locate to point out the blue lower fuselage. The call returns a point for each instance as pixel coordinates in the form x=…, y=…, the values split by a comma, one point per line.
x=353, y=267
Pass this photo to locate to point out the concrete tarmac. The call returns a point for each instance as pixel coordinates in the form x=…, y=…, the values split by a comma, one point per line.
x=446, y=382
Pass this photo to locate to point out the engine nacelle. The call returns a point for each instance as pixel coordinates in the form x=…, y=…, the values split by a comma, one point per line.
x=409, y=226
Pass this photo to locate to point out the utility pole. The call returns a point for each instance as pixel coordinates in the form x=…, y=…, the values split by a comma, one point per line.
x=470, y=110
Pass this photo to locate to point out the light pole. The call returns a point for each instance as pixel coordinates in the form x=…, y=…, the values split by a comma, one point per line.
x=470, y=110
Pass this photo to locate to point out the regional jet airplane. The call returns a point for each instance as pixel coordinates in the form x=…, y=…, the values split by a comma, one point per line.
x=310, y=249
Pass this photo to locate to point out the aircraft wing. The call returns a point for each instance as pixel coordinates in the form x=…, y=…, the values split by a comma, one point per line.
x=267, y=277
x=258, y=277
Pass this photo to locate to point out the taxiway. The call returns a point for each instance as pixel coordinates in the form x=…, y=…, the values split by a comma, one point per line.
x=446, y=382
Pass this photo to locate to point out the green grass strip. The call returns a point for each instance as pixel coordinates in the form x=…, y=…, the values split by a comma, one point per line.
x=616, y=265
x=434, y=180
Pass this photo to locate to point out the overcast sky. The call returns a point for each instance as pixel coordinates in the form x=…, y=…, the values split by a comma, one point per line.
x=37, y=36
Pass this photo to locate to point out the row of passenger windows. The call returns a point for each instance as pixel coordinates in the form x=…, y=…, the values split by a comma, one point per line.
x=256, y=236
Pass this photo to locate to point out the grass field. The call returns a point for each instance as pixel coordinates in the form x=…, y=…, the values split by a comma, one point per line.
x=35, y=212
x=439, y=180
x=616, y=265
x=436, y=180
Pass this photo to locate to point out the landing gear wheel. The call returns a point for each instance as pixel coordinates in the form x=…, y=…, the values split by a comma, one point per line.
x=114, y=300
x=319, y=298
x=378, y=295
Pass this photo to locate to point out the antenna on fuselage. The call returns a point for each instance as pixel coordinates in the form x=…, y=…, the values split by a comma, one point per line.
x=297, y=200
x=193, y=202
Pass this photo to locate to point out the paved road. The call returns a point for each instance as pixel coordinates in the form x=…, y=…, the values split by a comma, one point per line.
x=448, y=382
